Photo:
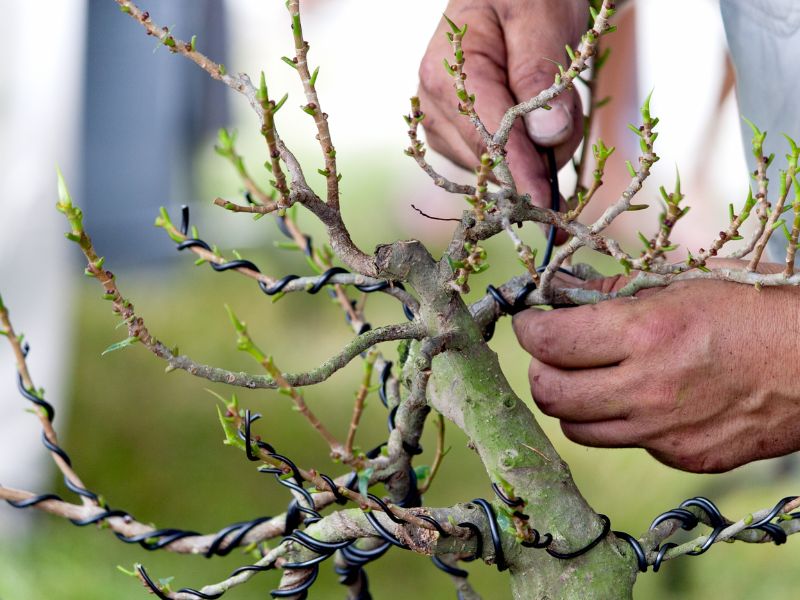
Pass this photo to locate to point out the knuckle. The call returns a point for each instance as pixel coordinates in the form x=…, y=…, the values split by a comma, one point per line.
x=539, y=76
x=541, y=389
x=653, y=328
x=571, y=431
x=534, y=79
x=713, y=463
x=432, y=137
x=682, y=452
x=685, y=460
x=431, y=76
x=536, y=336
x=696, y=463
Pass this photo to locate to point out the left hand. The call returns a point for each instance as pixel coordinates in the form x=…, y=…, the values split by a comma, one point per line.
x=702, y=374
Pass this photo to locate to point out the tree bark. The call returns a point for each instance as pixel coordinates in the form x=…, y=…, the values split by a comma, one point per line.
x=468, y=387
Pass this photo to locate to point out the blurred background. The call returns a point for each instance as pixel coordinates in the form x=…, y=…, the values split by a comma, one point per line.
x=133, y=128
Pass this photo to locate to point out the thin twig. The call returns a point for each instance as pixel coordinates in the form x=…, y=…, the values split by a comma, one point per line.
x=438, y=457
x=417, y=151
x=313, y=105
x=358, y=405
x=432, y=218
x=47, y=426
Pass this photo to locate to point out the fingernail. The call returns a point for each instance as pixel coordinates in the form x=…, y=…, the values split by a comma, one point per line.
x=549, y=126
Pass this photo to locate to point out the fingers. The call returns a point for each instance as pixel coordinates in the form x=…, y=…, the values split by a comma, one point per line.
x=489, y=78
x=449, y=132
x=615, y=433
x=581, y=396
x=581, y=337
x=532, y=54
x=595, y=406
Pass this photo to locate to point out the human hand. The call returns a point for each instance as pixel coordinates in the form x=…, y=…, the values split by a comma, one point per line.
x=702, y=374
x=507, y=51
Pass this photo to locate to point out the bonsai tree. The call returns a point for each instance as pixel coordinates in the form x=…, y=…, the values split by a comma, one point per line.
x=538, y=527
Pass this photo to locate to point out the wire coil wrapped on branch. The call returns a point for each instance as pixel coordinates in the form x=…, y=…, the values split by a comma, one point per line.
x=277, y=287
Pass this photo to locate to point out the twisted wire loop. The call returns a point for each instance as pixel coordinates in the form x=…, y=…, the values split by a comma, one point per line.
x=718, y=523
x=320, y=282
x=518, y=303
x=222, y=544
x=157, y=590
x=580, y=552
x=50, y=415
x=541, y=541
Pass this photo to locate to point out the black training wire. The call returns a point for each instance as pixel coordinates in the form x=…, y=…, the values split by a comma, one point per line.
x=575, y=554
x=450, y=570
x=494, y=531
x=555, y=202
x=717, y=522
x=518, y=304
x=270, y=290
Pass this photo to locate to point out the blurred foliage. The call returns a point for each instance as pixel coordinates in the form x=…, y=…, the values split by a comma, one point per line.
x=151, y=443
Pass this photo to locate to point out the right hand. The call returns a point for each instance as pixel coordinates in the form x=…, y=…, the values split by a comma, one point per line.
x=506, y=50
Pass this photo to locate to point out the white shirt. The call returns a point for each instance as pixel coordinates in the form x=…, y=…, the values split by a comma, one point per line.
x=764, y=41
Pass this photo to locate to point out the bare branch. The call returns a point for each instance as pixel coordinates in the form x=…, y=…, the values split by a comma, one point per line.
x=313, y=106
x=358, y=405
x=359, y=344
x=563, y=81
x=44, y=417
x=417, y=151
x=329, y=214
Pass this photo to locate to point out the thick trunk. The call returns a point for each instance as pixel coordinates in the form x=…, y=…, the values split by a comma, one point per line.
x=468, y=387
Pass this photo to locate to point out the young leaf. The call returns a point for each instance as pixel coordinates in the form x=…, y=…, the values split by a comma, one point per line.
x=64, y=197
x=231, y=434
x=453, y=26
x=363, y=480
x=238, y=325
x=119, y=345
x=646, y=106
x=279, y=104
x=131, y=573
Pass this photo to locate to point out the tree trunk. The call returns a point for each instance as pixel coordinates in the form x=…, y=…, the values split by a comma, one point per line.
x=468, y=387
x=471, y=390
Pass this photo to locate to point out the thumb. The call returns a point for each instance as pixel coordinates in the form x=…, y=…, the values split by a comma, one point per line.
x=561, y=127
x=550, y=127
x=535, y=43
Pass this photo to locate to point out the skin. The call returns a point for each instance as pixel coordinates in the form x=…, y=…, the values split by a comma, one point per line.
x=507, y=49
x=701, y=374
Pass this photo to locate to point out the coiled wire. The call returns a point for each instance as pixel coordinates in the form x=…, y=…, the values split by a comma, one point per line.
x=277, y=287
x=718, y=523
x=232, y=536
x=518, y=303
